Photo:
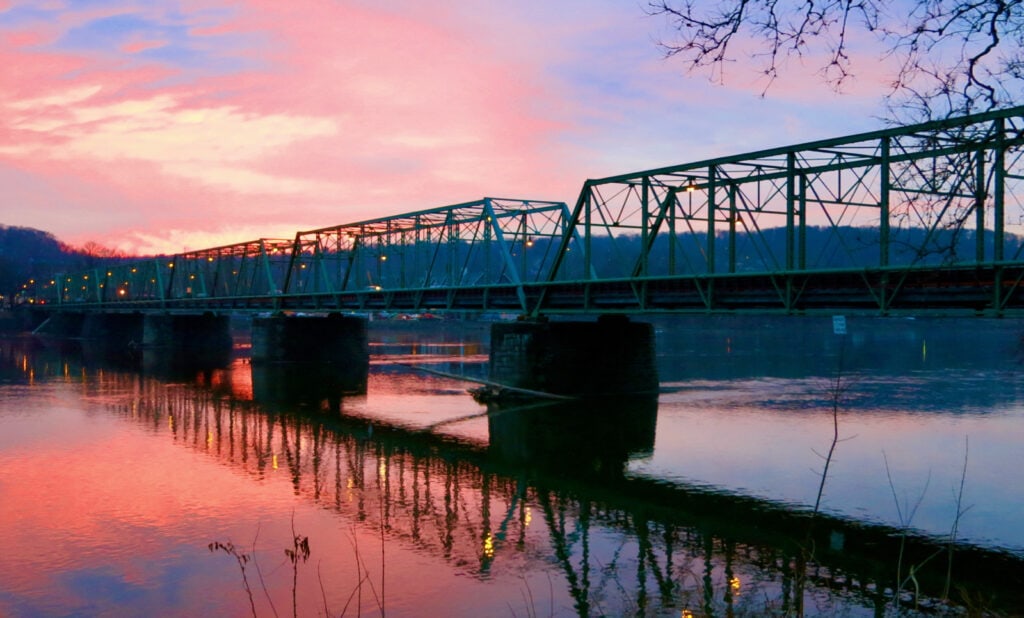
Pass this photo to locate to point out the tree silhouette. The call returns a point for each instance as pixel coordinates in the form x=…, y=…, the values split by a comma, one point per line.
x=952, y=57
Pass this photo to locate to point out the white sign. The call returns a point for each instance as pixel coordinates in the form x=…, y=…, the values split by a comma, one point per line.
x=839, y=324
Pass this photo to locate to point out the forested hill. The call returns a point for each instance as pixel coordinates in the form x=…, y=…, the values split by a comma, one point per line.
x=27, y=253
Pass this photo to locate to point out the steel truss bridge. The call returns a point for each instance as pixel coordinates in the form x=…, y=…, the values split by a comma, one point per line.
x=913, y=218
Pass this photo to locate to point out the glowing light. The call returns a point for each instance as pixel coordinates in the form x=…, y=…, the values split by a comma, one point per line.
x=691, y=186
x=382, y=470
x=383, y=258
x=528, y=517
x=170, y=264
x=734, y=584
x=273, y=461
x=529, y=241
x=489, y=545
x=209, y=438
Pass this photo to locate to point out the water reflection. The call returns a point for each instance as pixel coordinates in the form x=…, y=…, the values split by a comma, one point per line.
x=573, y=439
x=548, y=489
x=305, y=385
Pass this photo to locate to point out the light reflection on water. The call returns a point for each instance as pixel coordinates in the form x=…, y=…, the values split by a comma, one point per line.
x=114, y=481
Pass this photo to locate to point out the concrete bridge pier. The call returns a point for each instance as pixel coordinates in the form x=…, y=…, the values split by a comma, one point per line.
x=185, y=342
x=336, y=344
x=112, y=337
x=612, y=356
x=203, y=331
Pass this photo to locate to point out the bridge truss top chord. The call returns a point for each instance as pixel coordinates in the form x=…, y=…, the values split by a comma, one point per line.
x=915, y=217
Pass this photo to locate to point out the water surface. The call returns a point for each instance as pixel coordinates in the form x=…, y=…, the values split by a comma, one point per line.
x=115, y=479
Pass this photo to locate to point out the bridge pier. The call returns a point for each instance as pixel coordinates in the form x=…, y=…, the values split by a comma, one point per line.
x=185, y=342
x=113, y=331
x=612, y=356
x=205, y=331
x=337, y=344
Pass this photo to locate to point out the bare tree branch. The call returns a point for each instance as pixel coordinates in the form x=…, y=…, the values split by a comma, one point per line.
x=953, y=57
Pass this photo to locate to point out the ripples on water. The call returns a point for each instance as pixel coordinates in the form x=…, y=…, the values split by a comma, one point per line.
x=113, y=480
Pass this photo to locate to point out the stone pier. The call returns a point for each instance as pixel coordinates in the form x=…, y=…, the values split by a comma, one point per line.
x=612, y=356
x=334, y=343
x=203, y=331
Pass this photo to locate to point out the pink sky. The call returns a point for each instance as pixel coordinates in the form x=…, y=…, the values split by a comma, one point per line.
x=160, y=126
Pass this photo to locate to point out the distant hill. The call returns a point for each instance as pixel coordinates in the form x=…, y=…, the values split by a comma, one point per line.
x=27, y=253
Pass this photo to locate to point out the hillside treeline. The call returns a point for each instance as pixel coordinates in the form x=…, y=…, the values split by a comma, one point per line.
x=27, y=253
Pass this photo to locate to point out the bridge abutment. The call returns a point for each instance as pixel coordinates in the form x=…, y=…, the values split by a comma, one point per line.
x=611, y=356
x=334, y=343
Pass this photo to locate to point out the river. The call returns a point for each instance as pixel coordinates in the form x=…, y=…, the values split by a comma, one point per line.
x=153, y=488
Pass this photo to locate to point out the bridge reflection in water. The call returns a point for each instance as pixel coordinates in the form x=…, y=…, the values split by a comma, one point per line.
x=548, y=486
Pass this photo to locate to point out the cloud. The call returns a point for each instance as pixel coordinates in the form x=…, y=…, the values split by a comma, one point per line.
x=212, y=115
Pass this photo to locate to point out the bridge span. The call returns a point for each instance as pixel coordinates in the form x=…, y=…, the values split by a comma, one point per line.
x=921, y=218
x=914, y=218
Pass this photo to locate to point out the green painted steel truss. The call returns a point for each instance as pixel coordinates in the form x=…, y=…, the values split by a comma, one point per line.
x=928, y=216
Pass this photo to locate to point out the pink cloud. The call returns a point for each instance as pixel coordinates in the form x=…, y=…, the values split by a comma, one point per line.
x=140, y=45
x=355, y=113
x=271, y=117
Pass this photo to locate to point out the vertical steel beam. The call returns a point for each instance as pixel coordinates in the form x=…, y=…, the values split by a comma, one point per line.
x=790, y=207
x=733, y=220
x=97, y=288
x=267, y=271
x=712, y=209
x=979, y=206
x=802, y=225
x=588, y=256
x=999, y=193
x=883, y=203
x=671, y=201
x=157, y=263
x=645, y=214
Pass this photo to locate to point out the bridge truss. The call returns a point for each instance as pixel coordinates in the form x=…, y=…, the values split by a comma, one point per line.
x=929, y=216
